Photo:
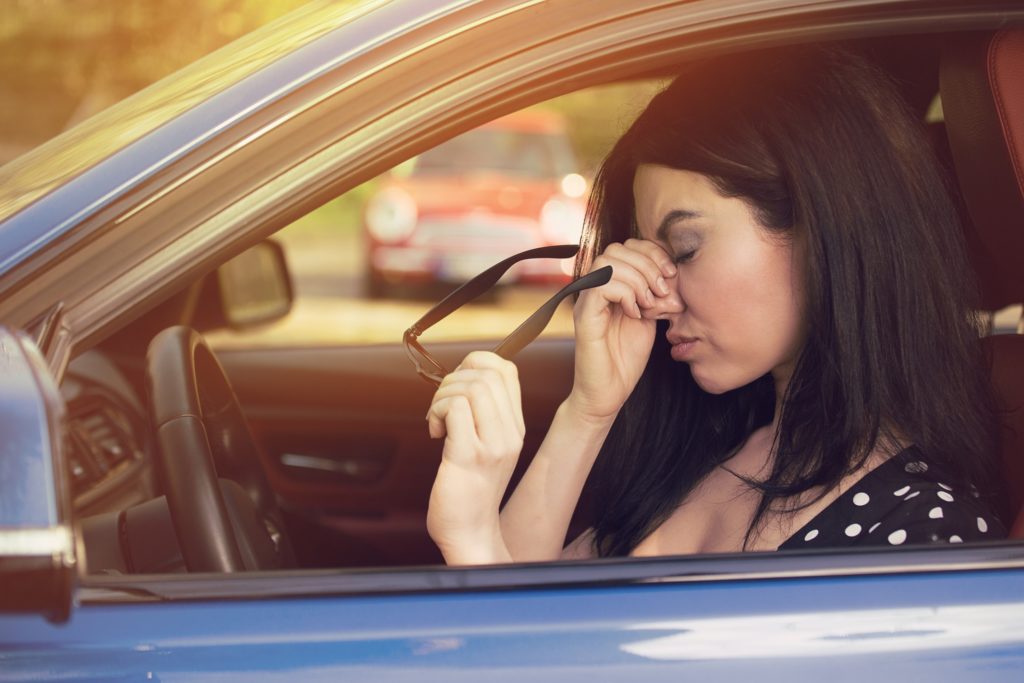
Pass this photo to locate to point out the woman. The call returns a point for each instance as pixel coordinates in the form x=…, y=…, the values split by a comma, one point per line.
x=816, y=378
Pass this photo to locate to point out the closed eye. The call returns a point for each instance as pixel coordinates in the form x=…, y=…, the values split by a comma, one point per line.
x=683, y=257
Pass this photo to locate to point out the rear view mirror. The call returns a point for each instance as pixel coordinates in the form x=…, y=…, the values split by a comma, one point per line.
x=255, y=286
x=37, y=558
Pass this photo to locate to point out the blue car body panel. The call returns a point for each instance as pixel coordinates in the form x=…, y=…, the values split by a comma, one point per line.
x=26, y=457
x=837, y=629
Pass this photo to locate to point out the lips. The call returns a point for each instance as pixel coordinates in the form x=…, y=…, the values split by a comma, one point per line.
x=682, y=346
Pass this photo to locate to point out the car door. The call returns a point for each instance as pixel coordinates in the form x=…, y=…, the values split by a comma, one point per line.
x=896, y=615
x=915, y=613
x=346, y=442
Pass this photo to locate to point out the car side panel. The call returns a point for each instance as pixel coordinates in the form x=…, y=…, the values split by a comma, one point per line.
x=358, y=412
x=966, y=625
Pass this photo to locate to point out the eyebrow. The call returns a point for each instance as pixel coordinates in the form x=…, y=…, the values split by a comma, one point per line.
x=672, y=217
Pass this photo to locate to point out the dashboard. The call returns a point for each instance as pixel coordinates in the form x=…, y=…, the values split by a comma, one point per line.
x=109, y=459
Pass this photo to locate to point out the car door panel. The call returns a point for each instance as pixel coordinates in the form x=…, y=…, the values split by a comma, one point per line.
x=839, y=628
x=346, y=442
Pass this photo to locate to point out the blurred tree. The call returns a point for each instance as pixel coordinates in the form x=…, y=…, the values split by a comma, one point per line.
x=598, y=116
x=63, y=60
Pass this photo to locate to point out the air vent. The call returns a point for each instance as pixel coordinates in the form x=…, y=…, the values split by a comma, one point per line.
x=103, y=441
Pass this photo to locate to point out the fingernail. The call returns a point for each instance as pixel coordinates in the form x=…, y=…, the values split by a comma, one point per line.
x=668, y=268
x=662, y=285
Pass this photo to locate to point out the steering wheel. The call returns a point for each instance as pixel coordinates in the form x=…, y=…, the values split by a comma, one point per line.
x=202, y=435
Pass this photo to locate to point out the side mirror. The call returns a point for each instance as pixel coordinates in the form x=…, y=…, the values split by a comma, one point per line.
x=255, y=286
x=251, y=289
x=37, y=555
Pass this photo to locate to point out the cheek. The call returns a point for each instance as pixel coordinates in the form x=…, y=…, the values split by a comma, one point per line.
x=750, y=309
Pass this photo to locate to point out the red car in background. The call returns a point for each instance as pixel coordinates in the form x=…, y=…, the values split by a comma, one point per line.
x=451, y=212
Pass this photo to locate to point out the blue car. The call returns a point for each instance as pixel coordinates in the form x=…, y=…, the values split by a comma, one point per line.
x=172, y=508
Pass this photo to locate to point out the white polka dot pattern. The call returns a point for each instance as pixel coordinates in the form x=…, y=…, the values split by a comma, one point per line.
x=904, y=501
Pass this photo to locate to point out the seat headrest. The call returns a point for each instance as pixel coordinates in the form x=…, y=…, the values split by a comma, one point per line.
x=982, y=89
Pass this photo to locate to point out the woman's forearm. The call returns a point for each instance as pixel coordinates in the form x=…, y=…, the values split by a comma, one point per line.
x=535, y=519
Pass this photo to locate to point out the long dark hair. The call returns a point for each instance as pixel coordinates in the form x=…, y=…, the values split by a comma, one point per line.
x=819, y=144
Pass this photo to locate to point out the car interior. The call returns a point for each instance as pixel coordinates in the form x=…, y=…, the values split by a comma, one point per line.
x=311, y=455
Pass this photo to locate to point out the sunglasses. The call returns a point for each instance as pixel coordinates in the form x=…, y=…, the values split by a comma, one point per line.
x=430, y=369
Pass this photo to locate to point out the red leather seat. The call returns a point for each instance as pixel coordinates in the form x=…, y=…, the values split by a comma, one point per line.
x=982, y=88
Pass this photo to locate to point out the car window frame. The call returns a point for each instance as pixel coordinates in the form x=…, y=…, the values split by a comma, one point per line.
x=784, y=566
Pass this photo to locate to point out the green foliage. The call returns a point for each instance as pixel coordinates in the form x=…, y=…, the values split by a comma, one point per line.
x=598, y=116
x=63, y=60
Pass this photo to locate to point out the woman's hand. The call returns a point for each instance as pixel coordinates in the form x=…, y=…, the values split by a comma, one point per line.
x=478, y=409
x=615, y=325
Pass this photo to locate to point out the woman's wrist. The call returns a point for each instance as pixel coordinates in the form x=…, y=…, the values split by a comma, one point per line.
x=584, y=417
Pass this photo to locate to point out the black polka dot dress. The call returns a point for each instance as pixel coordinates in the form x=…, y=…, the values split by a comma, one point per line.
x=906, y=500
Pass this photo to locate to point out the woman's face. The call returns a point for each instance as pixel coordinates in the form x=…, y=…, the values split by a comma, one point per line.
x=740, y=286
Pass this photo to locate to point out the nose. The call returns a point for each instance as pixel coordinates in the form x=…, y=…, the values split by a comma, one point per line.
x=669, y=305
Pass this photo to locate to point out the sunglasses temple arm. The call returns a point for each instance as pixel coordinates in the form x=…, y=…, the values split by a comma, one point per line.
x=531, y=328
x=528, y=330
x=487, y=279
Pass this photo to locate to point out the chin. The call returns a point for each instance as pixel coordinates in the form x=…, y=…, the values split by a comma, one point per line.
x=710, y=384
x=716, y=383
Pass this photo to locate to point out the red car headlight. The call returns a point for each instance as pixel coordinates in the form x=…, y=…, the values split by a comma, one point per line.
x=561, y=220
x=391, y=215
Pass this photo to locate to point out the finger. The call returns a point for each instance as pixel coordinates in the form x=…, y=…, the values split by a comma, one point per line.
x=635, y=268
x=435, y=417
x=624, y=273
x=646, y=268
x=598, y=300
x=462, y=441
x=664, y=307
x=497, y=424
x=509, y=375
x=656, y=252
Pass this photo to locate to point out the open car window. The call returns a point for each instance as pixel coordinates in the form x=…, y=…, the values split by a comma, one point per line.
x=368, y=263
x=354, y=472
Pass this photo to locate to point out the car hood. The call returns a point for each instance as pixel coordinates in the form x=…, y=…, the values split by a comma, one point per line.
x=492, y=192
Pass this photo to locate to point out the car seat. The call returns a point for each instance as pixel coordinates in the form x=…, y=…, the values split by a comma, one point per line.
x=982, y=89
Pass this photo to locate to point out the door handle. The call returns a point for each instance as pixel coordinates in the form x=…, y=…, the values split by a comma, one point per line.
x=355, y=468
